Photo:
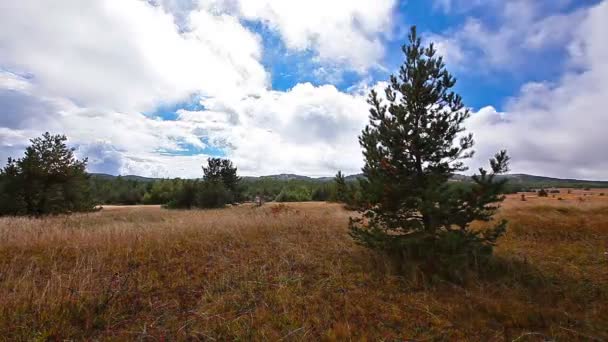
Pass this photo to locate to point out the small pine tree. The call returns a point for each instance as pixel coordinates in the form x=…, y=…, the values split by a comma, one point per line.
x=341, y=188
x=47, y=180
x=223, y=171
x=410, y=155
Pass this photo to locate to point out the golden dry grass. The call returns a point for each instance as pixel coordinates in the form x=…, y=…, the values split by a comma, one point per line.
x=292, y=273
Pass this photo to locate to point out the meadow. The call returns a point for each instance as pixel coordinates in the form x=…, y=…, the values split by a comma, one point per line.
x=291, y=272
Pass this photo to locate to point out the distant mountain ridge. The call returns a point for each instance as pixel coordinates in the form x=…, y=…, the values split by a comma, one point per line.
x=516, y=178
x=126, y=177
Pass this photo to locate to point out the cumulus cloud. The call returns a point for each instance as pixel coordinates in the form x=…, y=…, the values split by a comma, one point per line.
x=349, y=33
x=556, y=128
x=308, y=129
x=91, y=71
x=127, y=55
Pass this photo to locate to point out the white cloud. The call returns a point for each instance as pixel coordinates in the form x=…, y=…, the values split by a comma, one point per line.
x=347, y=32
x=127, y=55
x=93, y=68
x=557, y=129
x=308, y=129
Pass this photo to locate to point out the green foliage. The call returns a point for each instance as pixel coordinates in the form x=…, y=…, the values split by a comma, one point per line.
x=269, y=188
x=413, y=145
x=341, y=188
x=200, y=194
x=323, y=192
x=185, y=196
x=222, y=170
x=119, y=191
x=214, y=195
x=47, y=180
x=220, y=186
x=298, y=194
x=161, y=191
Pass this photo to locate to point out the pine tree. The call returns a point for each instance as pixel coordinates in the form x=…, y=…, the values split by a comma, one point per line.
x=223, y=171
x=213, y=171
x=47, y=180
x=412, y=146
x=341, y=188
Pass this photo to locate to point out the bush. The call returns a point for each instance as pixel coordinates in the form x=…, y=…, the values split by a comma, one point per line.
x=185, y=196
x=200, y=194
x=542, y=193
x=299, y=194
x=322, y=193
x=213, y=195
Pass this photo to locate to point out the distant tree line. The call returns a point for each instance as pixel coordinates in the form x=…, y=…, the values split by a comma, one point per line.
x=125, y=191
x=50, y=180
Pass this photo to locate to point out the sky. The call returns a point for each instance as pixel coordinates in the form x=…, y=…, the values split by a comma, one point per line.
x=155, y=87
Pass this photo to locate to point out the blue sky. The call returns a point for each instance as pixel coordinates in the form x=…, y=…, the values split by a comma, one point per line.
x=153, y=88
x=478, y=87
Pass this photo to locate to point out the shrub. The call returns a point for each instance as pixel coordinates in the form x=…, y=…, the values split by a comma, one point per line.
x=200, y=194
x=298, y=194
x=185, y=196
x=542, y=193
x=322, y=193
x=213, y=195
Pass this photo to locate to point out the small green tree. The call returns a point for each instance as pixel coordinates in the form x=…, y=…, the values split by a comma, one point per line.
x=47, y=180
x=222, y=170
x=412, y=146
x=341, y=187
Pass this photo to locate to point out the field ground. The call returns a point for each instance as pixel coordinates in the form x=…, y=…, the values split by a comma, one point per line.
x=290, y=272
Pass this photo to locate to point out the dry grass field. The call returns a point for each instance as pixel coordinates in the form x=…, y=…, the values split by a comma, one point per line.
x=290, y=272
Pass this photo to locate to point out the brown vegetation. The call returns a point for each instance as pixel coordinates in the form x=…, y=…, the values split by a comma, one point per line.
x=291, y=272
